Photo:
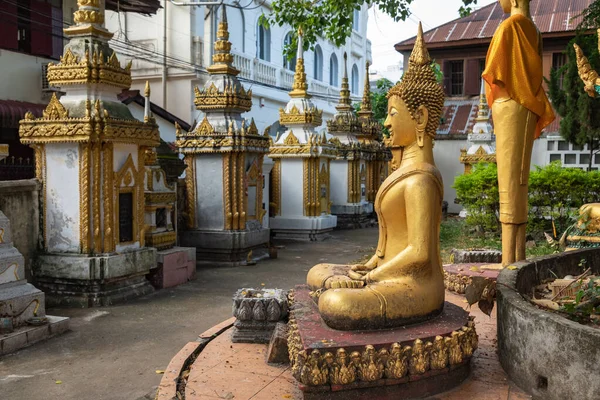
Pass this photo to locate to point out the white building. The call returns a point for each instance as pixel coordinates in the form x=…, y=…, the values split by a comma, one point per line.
x=187, y=39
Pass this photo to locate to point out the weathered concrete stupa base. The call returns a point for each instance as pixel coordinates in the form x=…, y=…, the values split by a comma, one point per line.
x=225, y=248
x=303, y=228
x=94, y=281
x=23, y=319
x=354, y=216
x=411, y=361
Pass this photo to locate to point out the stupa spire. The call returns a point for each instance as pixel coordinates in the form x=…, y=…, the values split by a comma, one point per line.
x=483, y=114
x=345, y=103
x=300, y=86
x=366, y=108
x=89, y=19
x=222, y=58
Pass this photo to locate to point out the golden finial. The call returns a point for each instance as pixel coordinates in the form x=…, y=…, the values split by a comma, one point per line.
x=300, y=86
x=365, y=106
x=147, y=89
x=483, y=113
x=420, y=55
x=223, y=59
x=345, y=103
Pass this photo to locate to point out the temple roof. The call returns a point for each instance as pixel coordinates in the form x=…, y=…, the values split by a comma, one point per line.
x=550, y=16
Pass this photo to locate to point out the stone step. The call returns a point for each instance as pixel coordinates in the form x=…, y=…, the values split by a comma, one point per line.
x=28, y=335
x=21, y=301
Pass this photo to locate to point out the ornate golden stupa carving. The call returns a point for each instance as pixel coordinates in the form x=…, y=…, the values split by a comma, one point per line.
x=370, y=127
x=403, y=282
x=300, y=112
x=222, y=131
x=345, y=121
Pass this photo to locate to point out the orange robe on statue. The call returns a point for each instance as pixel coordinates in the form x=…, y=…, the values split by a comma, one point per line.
x=514, y=59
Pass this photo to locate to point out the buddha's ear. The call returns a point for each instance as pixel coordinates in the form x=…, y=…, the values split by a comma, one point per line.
x=422, y=117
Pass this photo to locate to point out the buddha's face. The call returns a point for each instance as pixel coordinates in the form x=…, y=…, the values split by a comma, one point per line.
x=400, y=123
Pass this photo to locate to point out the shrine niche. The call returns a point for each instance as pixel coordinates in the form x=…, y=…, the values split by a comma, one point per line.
x=255, y=179
x=127, y=188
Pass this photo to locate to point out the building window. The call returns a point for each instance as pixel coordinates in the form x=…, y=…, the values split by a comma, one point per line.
x=456, y=77
x=570, y=159
x=563, y=145
x=354, y=85
x=356, y=19
x=287, y=63
x=318, y=66
x=264, y=43
x=161, y=218
x=555, y=157
x=125, y=219
x=333, y=70
x=550, y=145
x=558, y=61
x=584, y=159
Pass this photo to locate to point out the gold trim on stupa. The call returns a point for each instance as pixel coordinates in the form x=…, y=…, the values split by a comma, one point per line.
x=231, y=98
x=95, y=62
x=345, y=120
x=370, y=127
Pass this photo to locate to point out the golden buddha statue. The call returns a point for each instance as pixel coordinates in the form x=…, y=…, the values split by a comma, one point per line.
x=403, y=282
x=520, y=110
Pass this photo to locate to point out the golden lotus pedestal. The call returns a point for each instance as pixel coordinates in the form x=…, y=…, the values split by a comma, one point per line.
x=411, y=361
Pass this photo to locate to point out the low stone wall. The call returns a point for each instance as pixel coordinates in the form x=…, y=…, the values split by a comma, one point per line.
x=19, y=201
x=544, y=353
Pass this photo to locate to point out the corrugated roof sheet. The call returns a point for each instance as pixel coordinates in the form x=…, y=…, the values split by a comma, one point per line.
x=12, y=111
x=550, y=16
x=137, y=6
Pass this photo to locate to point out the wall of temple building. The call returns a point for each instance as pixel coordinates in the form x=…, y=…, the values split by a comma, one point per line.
x=339, y=186
x=19, y=201
x=209, y=168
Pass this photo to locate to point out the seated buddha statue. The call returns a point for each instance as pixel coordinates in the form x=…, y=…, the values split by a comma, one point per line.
x=403, y=282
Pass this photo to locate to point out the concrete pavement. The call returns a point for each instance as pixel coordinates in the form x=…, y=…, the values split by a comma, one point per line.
x=113, y=353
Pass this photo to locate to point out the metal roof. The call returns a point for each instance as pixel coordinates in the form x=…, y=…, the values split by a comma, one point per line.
x=12, y=111
x=137, y=6
x=550, y=16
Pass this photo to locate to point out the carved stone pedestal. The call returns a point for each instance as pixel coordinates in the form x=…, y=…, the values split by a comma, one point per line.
x=408, y=362
x=257, y=312
x=354, y=216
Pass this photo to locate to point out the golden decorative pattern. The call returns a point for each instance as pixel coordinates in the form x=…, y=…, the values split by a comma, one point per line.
x=190, y=186
x=84, y=197
x=312, y=116
x=159, y=198
x=88, y=17
x=73, y=70
x=241, y=189
x=96, y=181
x=232, y=97
x=254, y=178
x=291, y=140
x=227, y=209
x=108, y=196
x=162, y=240
x=120, y=177
x=222, y=58
x=480, y=156
x=275, y=188
x=320, y=367
x=57, y=126
x=141, y=224
x=456, y=283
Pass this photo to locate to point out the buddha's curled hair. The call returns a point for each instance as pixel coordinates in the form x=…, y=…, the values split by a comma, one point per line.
x=419, y=86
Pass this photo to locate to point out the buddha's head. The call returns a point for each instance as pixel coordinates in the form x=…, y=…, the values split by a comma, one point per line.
x=415, y=103
x=508, y=5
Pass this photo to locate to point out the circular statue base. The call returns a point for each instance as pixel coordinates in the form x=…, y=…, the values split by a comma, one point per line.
x=458, y=276
x=410, y=361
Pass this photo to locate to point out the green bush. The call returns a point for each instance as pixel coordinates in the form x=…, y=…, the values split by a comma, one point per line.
x=478, y=193
x=555, y=195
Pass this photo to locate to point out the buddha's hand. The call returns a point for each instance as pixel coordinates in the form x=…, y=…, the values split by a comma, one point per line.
x=342, y=282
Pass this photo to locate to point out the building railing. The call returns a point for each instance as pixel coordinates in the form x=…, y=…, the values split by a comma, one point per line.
x=319, y=87
x=287, y=78
x=265, y=72
x=357, y=41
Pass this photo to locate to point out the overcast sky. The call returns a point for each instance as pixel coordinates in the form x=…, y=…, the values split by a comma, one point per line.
x=384, y=32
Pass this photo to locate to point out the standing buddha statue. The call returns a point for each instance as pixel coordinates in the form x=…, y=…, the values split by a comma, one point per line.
x=520, y=110
x=403, y=282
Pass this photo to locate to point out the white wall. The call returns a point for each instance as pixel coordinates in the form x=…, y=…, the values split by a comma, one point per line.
x=446, y=154
x=21, y=77
x=292, y=192
x=338, y=185
x=62, y=197
x=209, y=192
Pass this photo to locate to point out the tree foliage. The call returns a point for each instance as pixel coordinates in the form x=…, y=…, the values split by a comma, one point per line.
x=555, y=195
x=591, y=16
x=332, y=19
x=580, y=113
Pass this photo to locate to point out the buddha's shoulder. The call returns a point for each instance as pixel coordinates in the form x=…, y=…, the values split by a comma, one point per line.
x=420, y=173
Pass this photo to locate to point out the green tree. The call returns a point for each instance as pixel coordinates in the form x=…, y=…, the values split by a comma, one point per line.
x=332, y=19
x=580, y=113
x=591, y=16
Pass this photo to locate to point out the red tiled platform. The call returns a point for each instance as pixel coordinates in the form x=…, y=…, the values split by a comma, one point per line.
x=238, y=371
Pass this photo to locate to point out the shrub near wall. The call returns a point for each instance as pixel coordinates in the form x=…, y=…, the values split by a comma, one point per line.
x=555, y=195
